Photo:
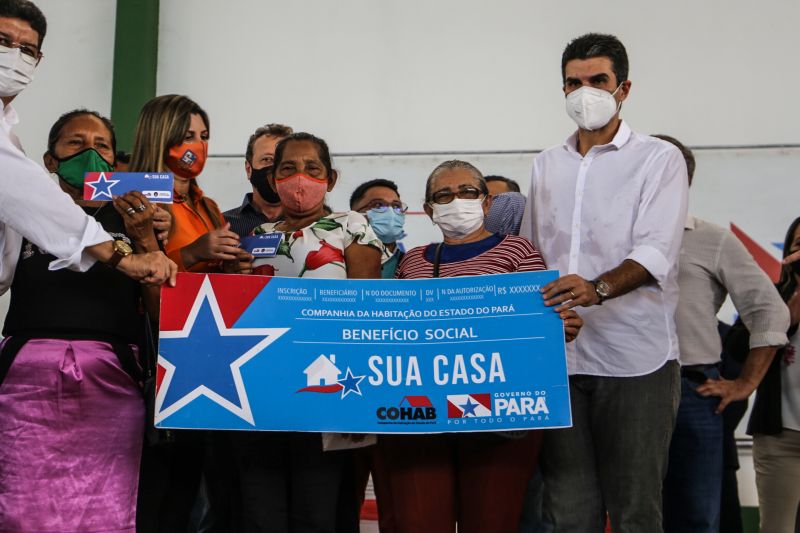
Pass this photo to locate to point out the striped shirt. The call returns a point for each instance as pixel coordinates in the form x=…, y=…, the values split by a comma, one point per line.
x=245, y=218
x=512, y=254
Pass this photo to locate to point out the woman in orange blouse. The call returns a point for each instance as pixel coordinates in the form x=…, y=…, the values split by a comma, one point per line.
x=172, y=136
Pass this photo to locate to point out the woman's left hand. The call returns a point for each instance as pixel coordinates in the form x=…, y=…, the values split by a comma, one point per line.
x=137, y=213
x=572, y=324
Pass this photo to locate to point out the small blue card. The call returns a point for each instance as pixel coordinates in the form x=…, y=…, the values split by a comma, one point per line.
x=155, y=186
x=264, y=245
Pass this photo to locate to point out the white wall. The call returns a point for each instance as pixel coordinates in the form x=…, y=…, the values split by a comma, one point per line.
x=472, y=75
x=76, y=70
x=747, y=187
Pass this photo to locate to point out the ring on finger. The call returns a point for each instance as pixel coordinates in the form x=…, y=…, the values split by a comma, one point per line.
x=142, y=208
x=131, y=211
x=573, y=294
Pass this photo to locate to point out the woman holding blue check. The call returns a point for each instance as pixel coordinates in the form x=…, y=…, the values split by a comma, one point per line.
x=289, y=483
x=73, y=410
x=475, y=481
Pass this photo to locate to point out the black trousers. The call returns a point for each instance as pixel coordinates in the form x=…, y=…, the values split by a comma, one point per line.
x=169, y=480
x=287, y=483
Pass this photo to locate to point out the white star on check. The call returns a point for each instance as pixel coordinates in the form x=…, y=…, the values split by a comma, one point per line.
x=244, y=411
x=105, y=181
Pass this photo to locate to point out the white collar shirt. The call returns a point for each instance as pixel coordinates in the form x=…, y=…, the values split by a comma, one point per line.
x=34, y=207
x=587, y=214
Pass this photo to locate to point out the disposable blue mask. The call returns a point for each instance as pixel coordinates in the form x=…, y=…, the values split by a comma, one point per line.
x=387, y=223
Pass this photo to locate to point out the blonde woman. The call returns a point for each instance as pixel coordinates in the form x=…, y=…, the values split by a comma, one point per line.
x=172, y=136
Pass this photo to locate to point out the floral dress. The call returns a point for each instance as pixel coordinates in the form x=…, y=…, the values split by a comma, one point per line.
x=317, y=251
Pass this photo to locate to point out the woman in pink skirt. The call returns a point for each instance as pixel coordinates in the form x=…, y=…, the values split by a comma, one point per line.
x=71, y=407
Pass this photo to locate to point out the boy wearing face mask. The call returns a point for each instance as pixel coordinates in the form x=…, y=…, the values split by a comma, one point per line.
x=379, y=200
x=263, y=204
x=607, y=209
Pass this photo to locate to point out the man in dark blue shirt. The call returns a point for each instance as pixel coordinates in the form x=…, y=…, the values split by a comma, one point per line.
x=262, y=205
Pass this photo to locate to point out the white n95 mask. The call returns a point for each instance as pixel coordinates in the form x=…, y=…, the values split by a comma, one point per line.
x=592, y=108
x=459, y=218
x=15, y=72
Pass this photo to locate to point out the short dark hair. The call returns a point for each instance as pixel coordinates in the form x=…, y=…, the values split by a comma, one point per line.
x=27, y=11
x=63, y=120
x=688, y=156
x=322, y=150
x=124, y=157
x=273, y=130
x=597, y=45
x=362, y=189
x=512, y=185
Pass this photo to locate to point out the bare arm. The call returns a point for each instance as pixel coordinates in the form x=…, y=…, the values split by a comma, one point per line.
x=572, y=290
x=756, y=365
x=363, y=262
x=153, y=268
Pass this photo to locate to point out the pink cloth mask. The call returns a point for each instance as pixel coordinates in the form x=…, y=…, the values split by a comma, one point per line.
x=301, y=193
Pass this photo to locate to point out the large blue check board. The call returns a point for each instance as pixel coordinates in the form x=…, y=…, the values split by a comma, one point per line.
x=361, y=356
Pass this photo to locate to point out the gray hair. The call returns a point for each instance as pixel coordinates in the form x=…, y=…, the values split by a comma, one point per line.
x=455, y=164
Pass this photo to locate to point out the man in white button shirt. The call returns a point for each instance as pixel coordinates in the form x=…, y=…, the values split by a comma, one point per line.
x=31, y=204
x=607, y=209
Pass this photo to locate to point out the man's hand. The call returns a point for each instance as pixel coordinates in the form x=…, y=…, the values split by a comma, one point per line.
x=727, y=390
x=570, y=291
x=153, y=268
x=572, y=324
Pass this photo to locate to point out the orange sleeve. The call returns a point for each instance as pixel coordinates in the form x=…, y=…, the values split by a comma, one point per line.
x=175, y=255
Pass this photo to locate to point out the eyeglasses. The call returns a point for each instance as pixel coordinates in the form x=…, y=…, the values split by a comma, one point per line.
x=380, y=206
x=29, y=54
x=465, y=193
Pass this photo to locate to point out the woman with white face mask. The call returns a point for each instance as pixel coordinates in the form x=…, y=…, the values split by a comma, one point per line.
x=431, y=482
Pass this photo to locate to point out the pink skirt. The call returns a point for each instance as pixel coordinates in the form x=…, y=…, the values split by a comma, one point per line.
x=71, y=429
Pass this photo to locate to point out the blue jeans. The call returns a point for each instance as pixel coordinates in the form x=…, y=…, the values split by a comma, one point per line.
x=693, y=486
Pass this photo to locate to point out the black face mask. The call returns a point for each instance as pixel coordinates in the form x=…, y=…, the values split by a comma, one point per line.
x=258, y=179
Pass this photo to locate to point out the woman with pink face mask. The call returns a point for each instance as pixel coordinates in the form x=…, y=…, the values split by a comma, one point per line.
x=288, y=483
x=315, y=244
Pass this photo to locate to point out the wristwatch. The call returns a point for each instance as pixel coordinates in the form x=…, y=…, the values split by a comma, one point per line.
x=602, y=289
x=121, y=249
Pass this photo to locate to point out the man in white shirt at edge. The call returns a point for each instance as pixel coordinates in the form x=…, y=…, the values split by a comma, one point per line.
x=31, y=204
x=607, y=209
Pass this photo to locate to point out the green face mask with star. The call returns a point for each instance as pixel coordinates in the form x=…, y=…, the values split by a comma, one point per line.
x=73, y=168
